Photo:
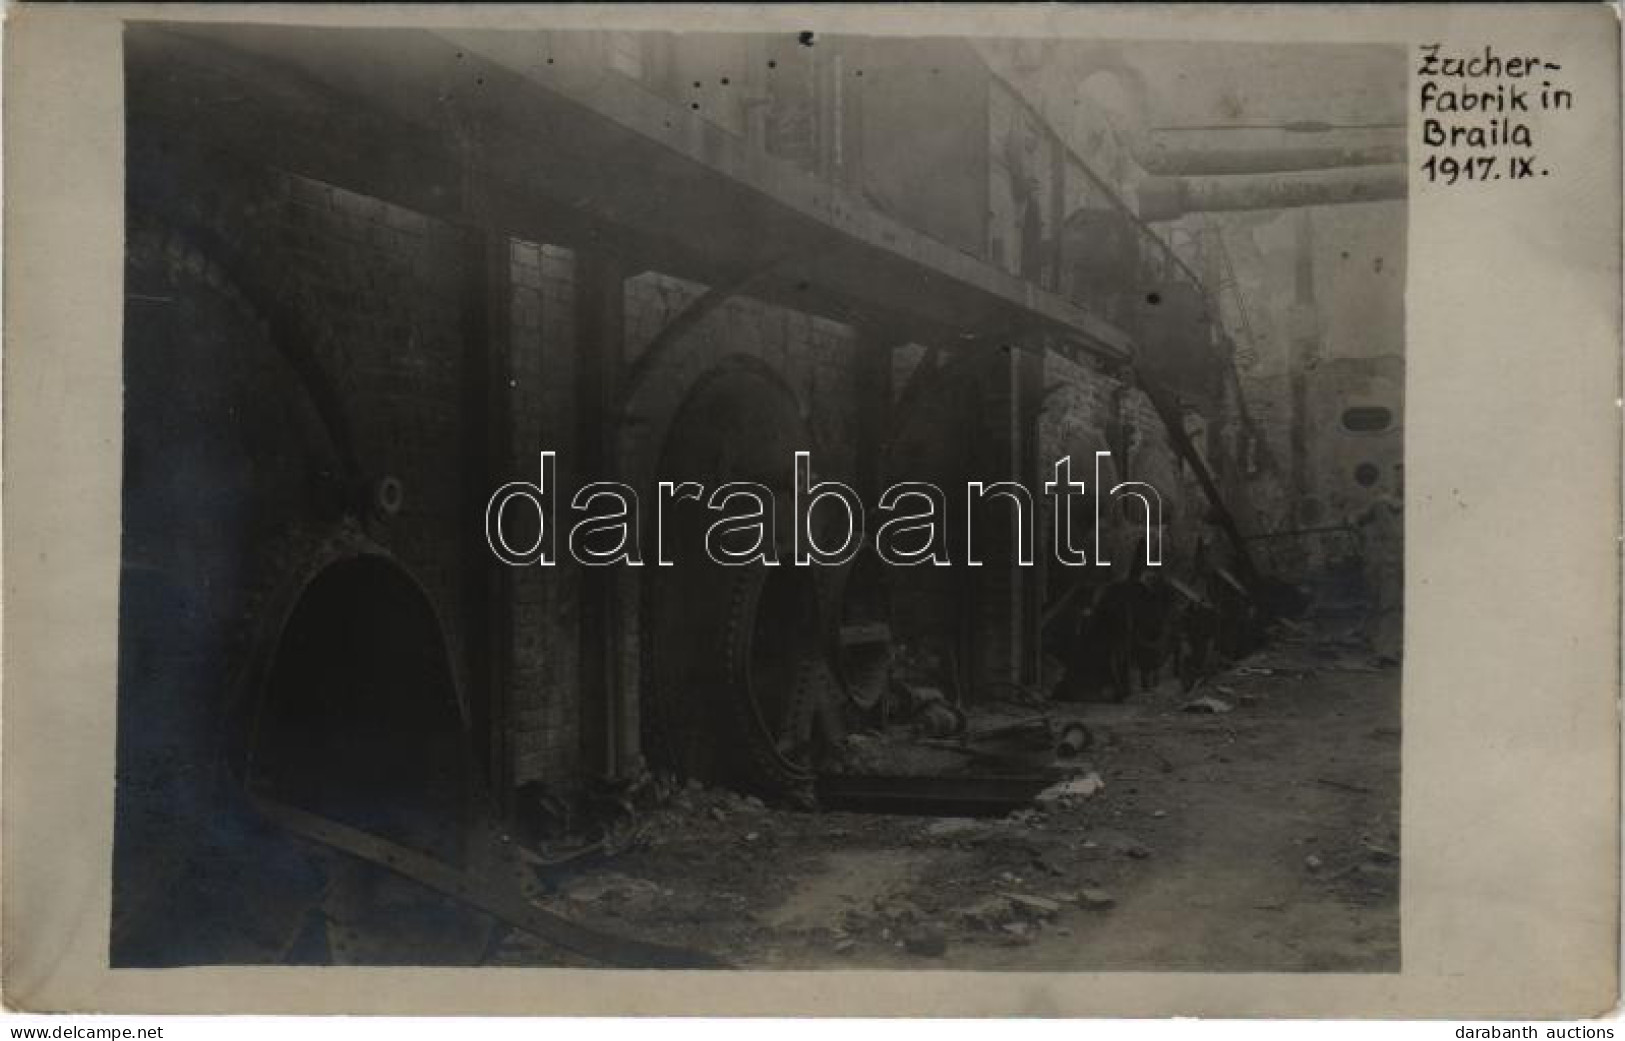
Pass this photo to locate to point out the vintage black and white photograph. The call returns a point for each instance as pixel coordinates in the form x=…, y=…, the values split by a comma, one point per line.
x=771, y=500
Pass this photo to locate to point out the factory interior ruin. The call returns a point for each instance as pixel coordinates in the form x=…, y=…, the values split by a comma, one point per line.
x=371, y=274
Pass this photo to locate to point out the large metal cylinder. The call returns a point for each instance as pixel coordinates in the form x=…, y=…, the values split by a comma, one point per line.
x=1249, y=150
x=1167, y=198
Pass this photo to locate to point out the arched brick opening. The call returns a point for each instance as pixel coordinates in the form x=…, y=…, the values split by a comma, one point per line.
x=733, y=664
x=219, y=468
x=359, y=718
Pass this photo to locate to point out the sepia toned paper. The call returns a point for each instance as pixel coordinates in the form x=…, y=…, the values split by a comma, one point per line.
x=1504, y=329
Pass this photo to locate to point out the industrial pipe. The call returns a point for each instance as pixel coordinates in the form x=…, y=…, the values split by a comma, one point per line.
x=1251, y=150
x=1167, y=198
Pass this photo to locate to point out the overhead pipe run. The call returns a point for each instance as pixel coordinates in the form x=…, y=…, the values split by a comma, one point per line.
x=1254, y=150
x=1168, y=198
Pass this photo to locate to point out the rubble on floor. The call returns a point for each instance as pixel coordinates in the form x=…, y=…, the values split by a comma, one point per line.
x=1212, y=818
x=1081, y=787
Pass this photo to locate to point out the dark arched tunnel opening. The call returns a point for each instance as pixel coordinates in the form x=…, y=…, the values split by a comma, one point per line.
x=359, y=719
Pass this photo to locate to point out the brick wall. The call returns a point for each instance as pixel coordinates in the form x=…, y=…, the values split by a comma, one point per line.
x=369, y=296
x=384, y=294
x=382, y=285
x=814, y=358
x=544, y=637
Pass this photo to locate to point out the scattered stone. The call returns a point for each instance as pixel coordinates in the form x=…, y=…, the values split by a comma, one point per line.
x=1075, y=737
x=751, y=804
x=1206, y=704
x=1019, y=932
x=616, y=892
x=1313, y=863
x=1096, y=899
x=938, y=721
x=1159, y=813
x=989, y=913
x=928, y=941
x=751, y=836
x=718, y=813
x=1077, y=788
x=845, y=946
x=695, y=785
x=1033, y=905
x=898, y=910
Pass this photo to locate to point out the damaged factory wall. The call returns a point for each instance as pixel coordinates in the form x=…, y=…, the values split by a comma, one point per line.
x=329, y=265
x=388, y=293
x=393, y=368
x=1314, y=302
x=345, y=332
x=288, y=345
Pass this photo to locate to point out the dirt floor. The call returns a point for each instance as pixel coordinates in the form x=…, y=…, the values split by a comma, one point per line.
x=1260, y=837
